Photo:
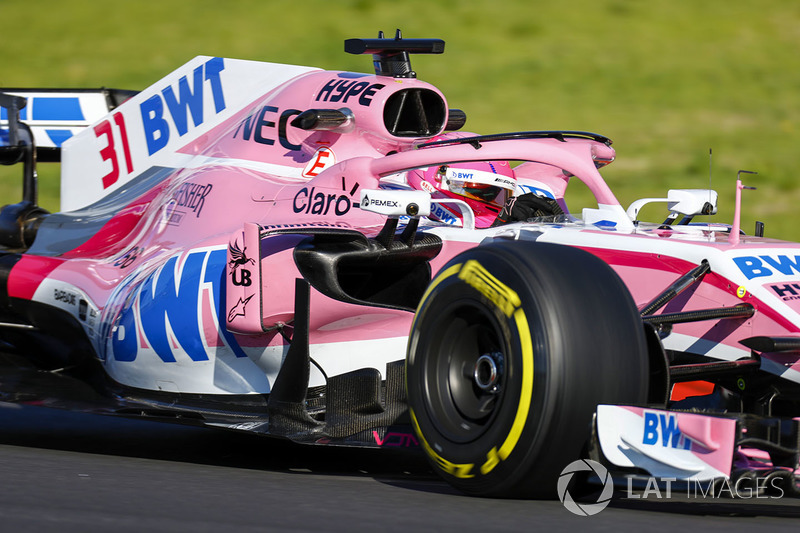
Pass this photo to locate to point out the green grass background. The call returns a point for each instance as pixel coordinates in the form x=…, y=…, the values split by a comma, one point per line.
x=666, y=80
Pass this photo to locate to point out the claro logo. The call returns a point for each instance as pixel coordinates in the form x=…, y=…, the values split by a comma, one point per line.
x=317, y=202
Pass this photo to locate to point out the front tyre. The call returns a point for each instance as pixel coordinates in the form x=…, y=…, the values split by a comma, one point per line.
x=512, y=347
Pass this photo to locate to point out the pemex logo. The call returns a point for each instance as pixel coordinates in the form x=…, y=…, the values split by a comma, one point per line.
x=588, y=466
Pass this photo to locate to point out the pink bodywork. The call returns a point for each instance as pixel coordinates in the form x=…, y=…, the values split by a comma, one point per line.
x=244, y=180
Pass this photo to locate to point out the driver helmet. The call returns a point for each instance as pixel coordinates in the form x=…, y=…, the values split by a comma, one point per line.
x=484, y=186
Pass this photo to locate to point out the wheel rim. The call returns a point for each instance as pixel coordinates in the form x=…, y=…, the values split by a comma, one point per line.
x=465, y=371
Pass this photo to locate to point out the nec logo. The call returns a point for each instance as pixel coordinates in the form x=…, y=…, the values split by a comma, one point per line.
x=258, y=125
x=765, y=265
x=188, y=101
x=665, y=426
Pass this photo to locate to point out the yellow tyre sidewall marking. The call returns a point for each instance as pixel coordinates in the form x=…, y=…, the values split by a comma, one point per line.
x=440, y=278
x=497, y=292
x=463, y=471
x=508, y=302
x=526, y=393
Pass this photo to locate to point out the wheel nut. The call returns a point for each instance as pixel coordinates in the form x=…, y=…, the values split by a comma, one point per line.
x=485, y=372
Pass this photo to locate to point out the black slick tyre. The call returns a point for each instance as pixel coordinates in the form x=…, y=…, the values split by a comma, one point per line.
x=512, y=347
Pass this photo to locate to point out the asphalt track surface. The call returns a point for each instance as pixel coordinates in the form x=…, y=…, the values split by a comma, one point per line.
x=63, y=471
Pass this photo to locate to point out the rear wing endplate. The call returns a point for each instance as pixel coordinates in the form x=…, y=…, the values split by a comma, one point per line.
x=55, y=115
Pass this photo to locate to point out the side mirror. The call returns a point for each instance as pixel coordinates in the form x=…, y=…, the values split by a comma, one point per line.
x=686, y=202
x=691, y=202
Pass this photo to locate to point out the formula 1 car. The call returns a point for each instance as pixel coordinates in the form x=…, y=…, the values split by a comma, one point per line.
x=237, y=248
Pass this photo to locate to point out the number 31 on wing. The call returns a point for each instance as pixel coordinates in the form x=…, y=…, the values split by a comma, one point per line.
x=110, y=152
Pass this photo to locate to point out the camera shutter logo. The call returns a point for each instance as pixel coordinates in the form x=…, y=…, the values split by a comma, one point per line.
x=585, y=509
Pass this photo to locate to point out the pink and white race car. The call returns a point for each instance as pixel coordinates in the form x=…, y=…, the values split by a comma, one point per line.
x=241, y=246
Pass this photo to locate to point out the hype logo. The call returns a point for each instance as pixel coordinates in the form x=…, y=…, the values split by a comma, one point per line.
x=176, y=309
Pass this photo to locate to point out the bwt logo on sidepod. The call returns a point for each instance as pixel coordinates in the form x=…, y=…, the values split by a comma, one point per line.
x=766, y=265
x=188, y=101
x=176, y=308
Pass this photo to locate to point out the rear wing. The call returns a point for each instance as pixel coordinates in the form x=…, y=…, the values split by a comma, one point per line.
x=165, y=125
x=55, y=115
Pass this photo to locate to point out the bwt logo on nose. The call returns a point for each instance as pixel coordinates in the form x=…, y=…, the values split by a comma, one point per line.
x=189, y=98
x=765, y=265
x=662, y=429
